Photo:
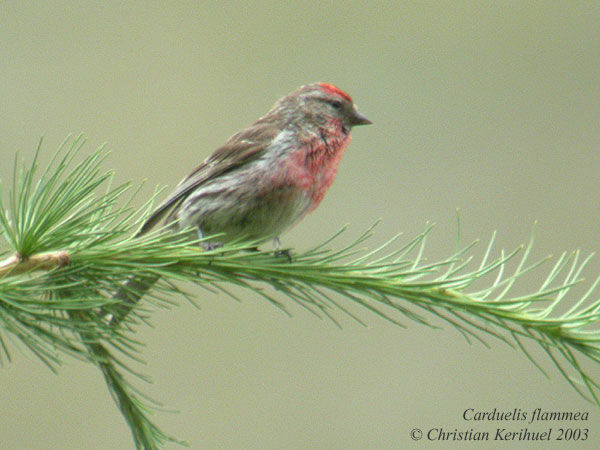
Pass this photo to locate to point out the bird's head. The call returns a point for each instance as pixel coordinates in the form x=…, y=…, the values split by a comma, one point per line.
x=323, y=105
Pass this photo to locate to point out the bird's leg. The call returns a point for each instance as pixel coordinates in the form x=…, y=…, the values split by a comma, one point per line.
x=281, y=252
x=207, y=245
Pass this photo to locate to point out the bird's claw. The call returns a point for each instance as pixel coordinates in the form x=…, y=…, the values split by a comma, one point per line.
x=285, y=252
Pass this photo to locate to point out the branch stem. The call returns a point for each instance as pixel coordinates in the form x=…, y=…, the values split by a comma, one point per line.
x=18, y=264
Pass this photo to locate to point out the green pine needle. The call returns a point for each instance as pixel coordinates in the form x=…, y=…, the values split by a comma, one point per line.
x=69, y=247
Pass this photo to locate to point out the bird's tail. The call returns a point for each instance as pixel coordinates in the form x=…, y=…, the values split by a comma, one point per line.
x=129, y=295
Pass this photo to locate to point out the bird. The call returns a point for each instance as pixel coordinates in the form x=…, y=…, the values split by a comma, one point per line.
x=262, y=181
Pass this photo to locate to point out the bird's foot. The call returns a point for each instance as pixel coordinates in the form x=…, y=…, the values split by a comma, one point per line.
x=281, y=252
x=287, y=253
x=208, y=246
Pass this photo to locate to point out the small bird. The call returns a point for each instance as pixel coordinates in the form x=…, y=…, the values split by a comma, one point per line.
x=264, y=179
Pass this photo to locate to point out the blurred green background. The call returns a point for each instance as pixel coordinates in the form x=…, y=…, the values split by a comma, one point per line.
x=491, y=107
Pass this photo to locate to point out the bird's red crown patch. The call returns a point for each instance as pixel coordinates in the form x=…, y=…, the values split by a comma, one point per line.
x=335, y=90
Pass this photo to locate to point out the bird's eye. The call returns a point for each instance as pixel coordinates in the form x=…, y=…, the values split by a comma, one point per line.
x=336, y=104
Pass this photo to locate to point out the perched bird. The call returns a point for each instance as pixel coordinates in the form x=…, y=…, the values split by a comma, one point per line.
x=264, y=179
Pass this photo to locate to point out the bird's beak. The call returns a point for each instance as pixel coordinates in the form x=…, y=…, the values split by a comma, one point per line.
x=358, y=119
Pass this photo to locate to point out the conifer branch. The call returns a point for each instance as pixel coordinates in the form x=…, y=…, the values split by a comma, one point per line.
x=70, y=245
x=16, y=264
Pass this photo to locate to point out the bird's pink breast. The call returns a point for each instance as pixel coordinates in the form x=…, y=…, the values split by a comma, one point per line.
x=313, y=167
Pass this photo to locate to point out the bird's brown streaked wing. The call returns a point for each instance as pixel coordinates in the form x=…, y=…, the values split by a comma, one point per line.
x=240, y=149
